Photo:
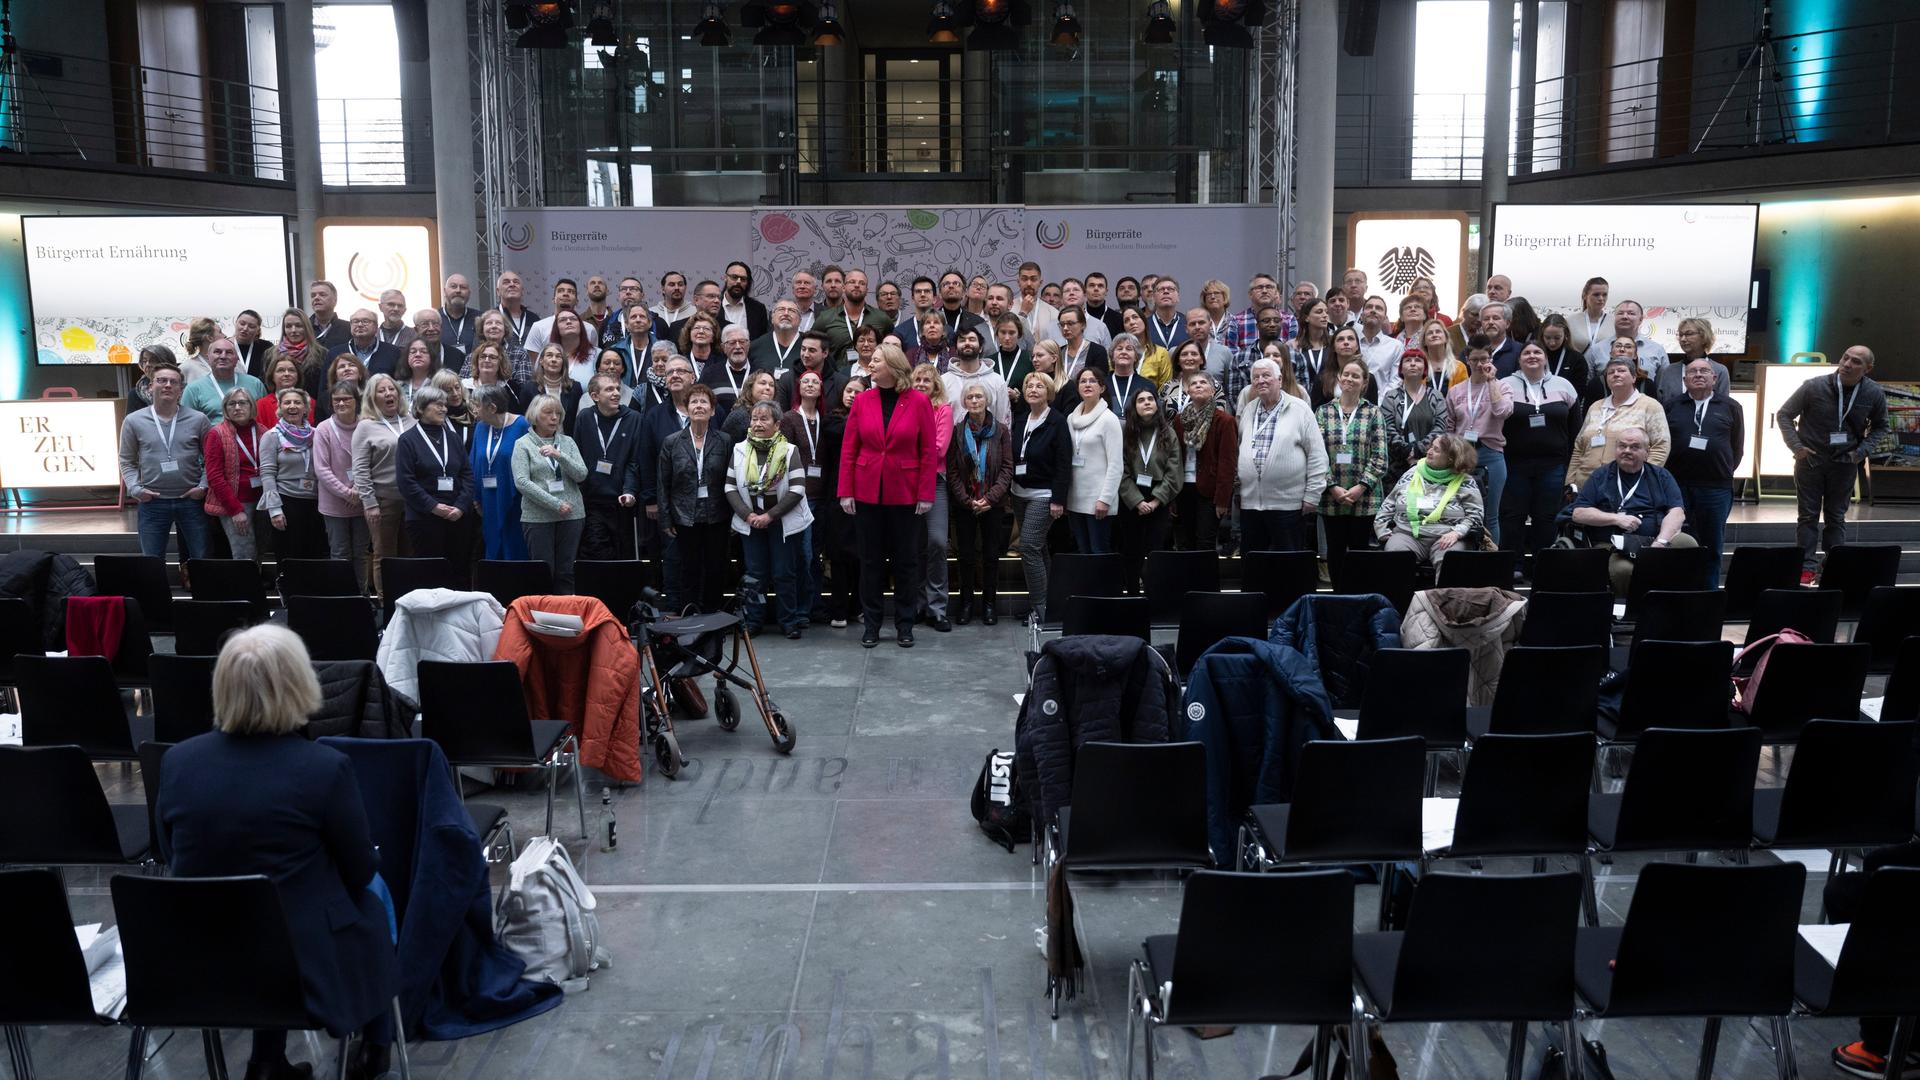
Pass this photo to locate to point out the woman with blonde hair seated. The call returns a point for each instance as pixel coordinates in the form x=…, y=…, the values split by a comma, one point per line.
x=255, y=796
x=1436, y=505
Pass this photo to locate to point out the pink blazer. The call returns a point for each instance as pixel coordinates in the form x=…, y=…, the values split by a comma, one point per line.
x=892, y=464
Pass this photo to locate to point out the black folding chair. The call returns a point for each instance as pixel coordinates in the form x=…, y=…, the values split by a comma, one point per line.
x=53, y=812
x=614, y=582
x=1756, y=568
x=1284, y=576
x=182, y=696
x=1129, y=616
x=213, y=953
x=398, y=577
x=1523, y=796
x=1571, y=570
x=49, y=983
x=495, y=830
x=317, y=577
x=1484, y=948
x=1874, y=975
x=200, y=627
x=1072, y=574
x=75, y=701
x=1543, y=691
x=1813, y=612
x=1855, y=569
x=1889, y=614
x=19, y=636
x=334, y=627
x=1171, y=575
x=510, y=579
x=1902, y=700
x=142, y=577
x=1712, y=941
x=1671, y=684
x=477, y=712
x=1584, y=618
x=229, y=579
x=1388, y=573
x=1674, y=615
x=136, y=642
x=1419, y=692
x=1207, y=618
x=1807, y=682
x=1666, y=569
x=1251, y=949
x=1477, y=568
x=1851, y=785
x=152, y=757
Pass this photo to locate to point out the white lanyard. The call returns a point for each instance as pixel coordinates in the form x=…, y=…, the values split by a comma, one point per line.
x=1146, y=451
x=1073, y=362
x=1700, y=415
x=355, y=349
x=1628, y=494
x=811, y=429
x=495, y=436
x=1846, y=403
x=1560, y=363
x=389, y=425
x=225, y=390
x=1314, y=357
x=1118, y=395
x=1346, y=420
x=1472, y=406
x=1026, y=433
x=733, y=382
x=458, y=326
x=521, y=326
x=439, y=455
x=1526, y=391
x=384, y=339
x=252, y=455
x=786, y=352
x=1593, y=329
x=1406, y=409
x=602, y=432
x=166, y=437
x=1165, y=332
x=853, y=323
x=1219, y=326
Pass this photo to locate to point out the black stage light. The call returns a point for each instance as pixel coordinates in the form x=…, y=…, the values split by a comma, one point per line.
x=1066, y=27
x=547, y=24
x=996, y=23
x=712, y=28
x=943, y=26
x=516, y=13
x=1228, y=23
x=1160, y=28
x=827, y=29
x=600, y=27
x=780, y=22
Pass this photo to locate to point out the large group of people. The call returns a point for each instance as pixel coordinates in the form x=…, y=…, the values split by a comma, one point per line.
x=835, y=447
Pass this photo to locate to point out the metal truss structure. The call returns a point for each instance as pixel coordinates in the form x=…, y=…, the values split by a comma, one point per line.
x=506, y=126
x=1270, y=122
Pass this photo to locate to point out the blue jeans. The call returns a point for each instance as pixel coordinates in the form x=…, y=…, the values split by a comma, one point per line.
x=806, y=583
x=1092, y=535
x=771, y=560
x=157, y=520
x=1495, y=462
x=1707, y=509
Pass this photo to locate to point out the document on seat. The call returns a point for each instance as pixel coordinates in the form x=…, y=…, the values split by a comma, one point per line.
x=554, y=624
x=1348, y=726
x=1620, y=610
x=10, y=734
x=1826, y=939
x=1436, y=823
x=1869, y=707
x=106, y=968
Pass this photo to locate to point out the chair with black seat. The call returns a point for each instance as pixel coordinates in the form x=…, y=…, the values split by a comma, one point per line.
x=130, y=652
x=334, y=627
x=1171, y=575
x=1251, y=949
x=1284, y=576
x=74, y=701
x=1807, y=682
x=1071, y=574
x=1389, y=573
x=1851, y=785
x=1813, y=612
x=142, y=577
x=201, y=626
x=510, y=579
x=1666, y=569
x=1687, y=790
x=1673, y=615
x=1874, y=974
x=398, y=577
x=1492, y=947
x=49, y=983
x=490, y=821
x=19, y=636
x=1420, y=692
x=1129, y=616
x=1671, y=684
x=1855, y=569
x=1755, y=568
x=614, y=582
x=152, y=756
x=1207, y=618
x=54, y=813
x=182, y=696
x=1902, y=699
x=229, y=579
x=317, y=577
x=1543, y=691
x=1890, y=613
x=1577, y=569
x=1555, y=618
x=213, y=953
x=1353, y=802
x=477, y=712
x=1710, y=941
x=1477, y=568
x=1523, y=796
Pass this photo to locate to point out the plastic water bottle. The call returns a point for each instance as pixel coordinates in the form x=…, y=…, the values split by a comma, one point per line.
x=606, y=803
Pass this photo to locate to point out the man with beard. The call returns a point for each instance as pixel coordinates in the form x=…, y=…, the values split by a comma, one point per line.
x=833, y=285
x=776, y=352
x=457, y=323
x=566, y=297
x=601, y=319
x=672, y=310
x=1126, y=293
x=1038, y=318
x=426, y=324
x=967, y=370
x=953, y=305
x=739, y=308
x=1239, y=373
x=393, y=329
x=842, y=321
x=814, y=353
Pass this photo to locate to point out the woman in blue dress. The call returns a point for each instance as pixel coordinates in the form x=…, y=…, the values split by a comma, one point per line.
x=499, y=427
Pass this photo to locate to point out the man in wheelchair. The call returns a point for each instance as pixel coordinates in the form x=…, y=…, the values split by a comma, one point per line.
x=1627, y=505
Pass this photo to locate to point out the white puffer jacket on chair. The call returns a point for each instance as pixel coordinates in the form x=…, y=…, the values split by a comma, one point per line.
x=437, y=624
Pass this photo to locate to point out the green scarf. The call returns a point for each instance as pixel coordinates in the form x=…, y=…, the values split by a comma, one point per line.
x=766, y=461
x=1424, y=474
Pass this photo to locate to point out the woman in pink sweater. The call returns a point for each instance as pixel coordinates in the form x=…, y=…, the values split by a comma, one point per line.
x=340, y=508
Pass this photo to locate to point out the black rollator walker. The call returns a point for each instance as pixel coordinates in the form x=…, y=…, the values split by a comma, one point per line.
x=676, y=652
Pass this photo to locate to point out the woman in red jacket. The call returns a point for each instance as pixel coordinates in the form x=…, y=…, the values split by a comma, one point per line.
x=1212, y=440
x=232, y=450
x=887, y=468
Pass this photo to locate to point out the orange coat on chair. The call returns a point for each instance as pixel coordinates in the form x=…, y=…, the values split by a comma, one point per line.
x=591, y=681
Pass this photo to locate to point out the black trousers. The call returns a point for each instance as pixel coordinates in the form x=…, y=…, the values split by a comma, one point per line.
x=889, y=540
x=981, y=539
x=1196, y=527
x=703, y=564
x=305, y=536
x=1138, y=536
x=609, y=531
x=1344, y=532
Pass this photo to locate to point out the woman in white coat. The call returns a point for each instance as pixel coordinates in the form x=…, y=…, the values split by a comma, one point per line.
x=1097, y=462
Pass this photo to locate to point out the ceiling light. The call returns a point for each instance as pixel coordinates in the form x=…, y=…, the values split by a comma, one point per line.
x=712, y=28
x=943, y=28
x=1160, y=29
x=1230, y=23
x=1066, y=27
x=600, y=28
x=547, y=25
x=827, y=29
x=781, y=22
x=996, y=23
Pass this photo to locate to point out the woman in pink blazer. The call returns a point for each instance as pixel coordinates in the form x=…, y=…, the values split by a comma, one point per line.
x=887, y=467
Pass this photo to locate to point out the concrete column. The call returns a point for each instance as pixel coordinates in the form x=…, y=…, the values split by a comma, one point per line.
x=453, y=171
x=976, y=113
x=1313, y=109
x=833, y=136
x=302, y=104
x=1493, y=164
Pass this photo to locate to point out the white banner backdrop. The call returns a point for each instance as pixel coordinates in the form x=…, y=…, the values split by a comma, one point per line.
x=1394, y=248
x=1189, y=243
x=890, y=243
x=544, y=245
x=1678, y=261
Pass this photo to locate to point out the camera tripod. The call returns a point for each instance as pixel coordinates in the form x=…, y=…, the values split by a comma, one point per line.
x=1758, y=59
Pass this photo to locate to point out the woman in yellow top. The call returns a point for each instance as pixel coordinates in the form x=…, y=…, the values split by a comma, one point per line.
x=1623, y=407
x=1444, y=367
x=1156, y=364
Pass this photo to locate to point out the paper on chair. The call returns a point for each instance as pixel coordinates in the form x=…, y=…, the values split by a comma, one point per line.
x=1349, y=726
x=106, y=968
x=1436, y=823
x=555, y=623
x=1826, y=939
x=10, y=734
x=1871, y=706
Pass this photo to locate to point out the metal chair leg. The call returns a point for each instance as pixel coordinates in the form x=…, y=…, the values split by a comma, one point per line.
x=1783, y=1048
x=1517, y=1051
x=1133, y=1010
x=400, y=1042
x=553, y=767
x=1323, y=1052
x=1576, y=1051
x=136, y=1053
x=1590, y=898
x=1902, y=1044
x=346, y=1051
x=18, y=1054
x=1709, y=1046
x=1357, y=1040
x=216, y=1054
x=579, y=789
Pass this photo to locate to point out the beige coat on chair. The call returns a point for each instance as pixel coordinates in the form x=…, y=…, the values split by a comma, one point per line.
x=1486, y=622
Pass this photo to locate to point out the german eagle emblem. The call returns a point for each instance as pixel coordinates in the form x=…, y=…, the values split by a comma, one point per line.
x=1400, y=266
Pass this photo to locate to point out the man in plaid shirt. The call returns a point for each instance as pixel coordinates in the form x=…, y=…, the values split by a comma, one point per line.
x=1242, y=329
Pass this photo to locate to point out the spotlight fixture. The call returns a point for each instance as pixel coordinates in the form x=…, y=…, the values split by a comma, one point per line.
x=600, y=27
x=547, y=25
x=1228, y=23
x=943, y=26
x=827, y=29
x=1160, y=29
x=780, y=22
x=996, y=23
x=1066, y=27
x=712, y=28
x=516, y=14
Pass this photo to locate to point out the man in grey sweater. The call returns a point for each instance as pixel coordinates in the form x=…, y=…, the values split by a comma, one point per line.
x=1831, y=425
x=162, y=469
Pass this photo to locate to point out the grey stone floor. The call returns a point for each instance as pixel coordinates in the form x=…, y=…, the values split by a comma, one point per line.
x=837, y=914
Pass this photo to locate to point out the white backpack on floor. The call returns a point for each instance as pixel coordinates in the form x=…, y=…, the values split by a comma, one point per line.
x=545, y=916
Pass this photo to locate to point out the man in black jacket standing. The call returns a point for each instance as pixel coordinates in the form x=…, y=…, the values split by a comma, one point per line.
x=1709, y=436
x=608, y=436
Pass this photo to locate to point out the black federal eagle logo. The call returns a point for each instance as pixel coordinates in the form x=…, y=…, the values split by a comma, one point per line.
x=1400, y=266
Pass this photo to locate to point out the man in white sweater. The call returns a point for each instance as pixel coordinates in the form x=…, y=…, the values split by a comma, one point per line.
x=1282, y=469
